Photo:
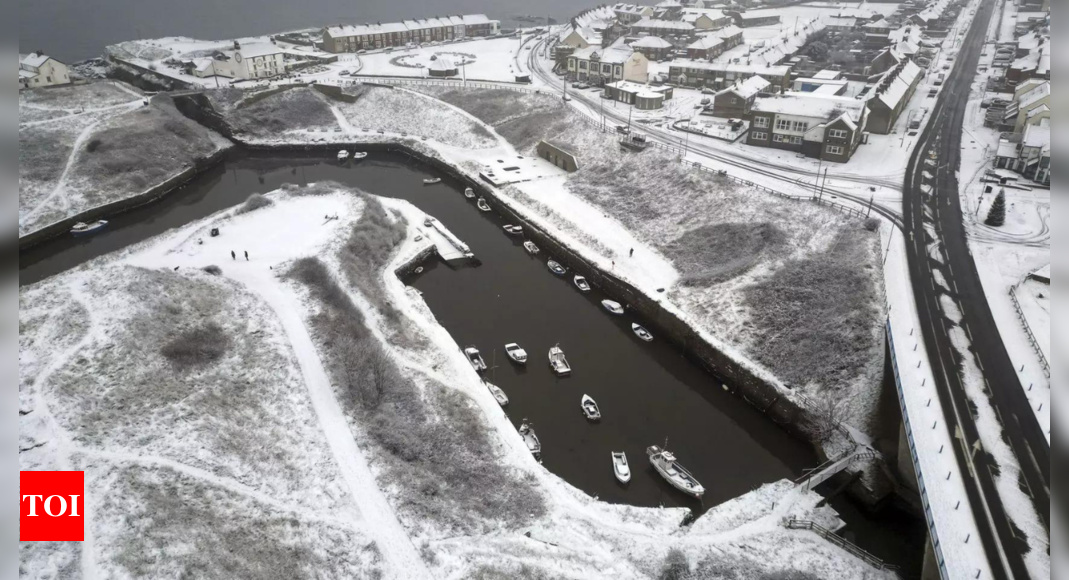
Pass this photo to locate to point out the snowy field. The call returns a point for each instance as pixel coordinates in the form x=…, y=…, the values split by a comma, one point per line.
x=200, y=390
x=84, y=146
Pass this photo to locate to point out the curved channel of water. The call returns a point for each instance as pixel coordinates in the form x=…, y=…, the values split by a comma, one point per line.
x=647, y=391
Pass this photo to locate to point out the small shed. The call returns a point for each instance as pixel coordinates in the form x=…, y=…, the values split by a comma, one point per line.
x=558, y=155
x=442, y=67
x=649, y=100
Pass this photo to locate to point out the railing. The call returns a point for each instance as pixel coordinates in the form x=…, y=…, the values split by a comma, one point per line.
x=933, y=534
x=832, y=537
x=825, y=471
x=1028, y=331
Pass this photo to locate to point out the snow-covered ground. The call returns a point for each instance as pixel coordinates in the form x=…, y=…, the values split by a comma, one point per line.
x=202, y=400
x=87, y=145
x=489, y=59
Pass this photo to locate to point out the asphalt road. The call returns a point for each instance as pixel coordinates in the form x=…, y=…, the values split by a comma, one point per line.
x=938, y=152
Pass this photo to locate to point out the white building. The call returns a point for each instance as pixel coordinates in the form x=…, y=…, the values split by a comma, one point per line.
x=606, y=65
x=252, y=61
x=40, y=70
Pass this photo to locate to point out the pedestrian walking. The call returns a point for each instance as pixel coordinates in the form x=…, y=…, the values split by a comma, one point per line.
x=632, y=254
x=233, y=256
x=246, y=255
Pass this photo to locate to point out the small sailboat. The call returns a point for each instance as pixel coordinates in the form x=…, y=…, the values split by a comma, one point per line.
x=613, y=306
x=469, y=193
x=82, y=228
x=483, y=206
x=555, y=268
x=516, y=353
x=557, y=362
x=343, y=155
x=359, y=155
x=530, y=439
x=581, y=283
x=590, y=408
x=530, y=247
x=432, y=180
x=665, y=463
x=499, y=395
x=475, y=358
x=620, y=466
x=512, y=230
x=641, y=332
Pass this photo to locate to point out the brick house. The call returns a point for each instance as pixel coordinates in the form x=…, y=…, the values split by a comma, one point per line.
x=736, y=101
x=606, y=65
x=892, y=95
x=718, y=75
x=825, y=127
x=419, y=31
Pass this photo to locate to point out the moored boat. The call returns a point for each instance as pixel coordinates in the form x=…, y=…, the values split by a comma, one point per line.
x=590, y=408
x=581, y=283
x=530, y=247
x=359, y=155
x=516, y=353
x=475, y=358
x=469, y=193
x=665, y=463
x=530, y=438
x=557, y=362
x=432, y=180
x=555, y=268
x=641, y=332
x=512, y=230
x=343, y=155
x=483, y=206
x=613, y=306
x=499, y=395
x=82, y=228
x=620, y=467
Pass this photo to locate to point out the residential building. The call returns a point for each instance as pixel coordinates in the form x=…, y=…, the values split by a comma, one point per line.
x=606, y=65
x=706, y=18
x=419, y=31
x=581, y=37
x=736, y=101
x=821, y=86
x=40, y=70
x=1036, y=64
x=828, y=128
x=1031, y=105
x=1027, y=154
x=892, y=96
x=840, y=23
x=642, y=96
x=251, y=61
x=654, y=48
x=628, y=13
x=744, y=19
x=662, y=28
x=719, y=75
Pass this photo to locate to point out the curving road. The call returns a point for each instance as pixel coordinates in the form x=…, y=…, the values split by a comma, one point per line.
x=938, y=153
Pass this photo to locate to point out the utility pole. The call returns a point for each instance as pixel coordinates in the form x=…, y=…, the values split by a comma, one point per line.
x=825, y=180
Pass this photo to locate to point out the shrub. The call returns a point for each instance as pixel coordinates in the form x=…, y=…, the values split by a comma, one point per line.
x=213, y=270
x=674, y=566
x=370, y=246
x=872, y=224
x=92, y=145
x=254, y=202
x=198, y=346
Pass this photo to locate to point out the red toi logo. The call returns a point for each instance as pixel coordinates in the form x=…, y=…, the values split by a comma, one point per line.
x=52, y=506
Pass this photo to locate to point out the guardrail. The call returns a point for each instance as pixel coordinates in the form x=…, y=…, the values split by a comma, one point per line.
x=933, y=534
x=1028, y=331
x=832, y=537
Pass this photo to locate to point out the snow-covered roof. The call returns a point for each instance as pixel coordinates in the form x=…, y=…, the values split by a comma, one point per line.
x=901, y=79
x=1036, y=136
x=633, y=87
x=656, y=24
x=651, y=42
x=635, y=9
x=668, y=4
x=25, y=74
x=825, y=108
x=1040, y=91
x=848, y=21
x=202, y=64
x=727, y=31
x=881, y=23
x=706, y=42
x=258, y=49
x=775, y=71
x=1036, y=111
x=613, y=54
x=747, y=88
x=407, y=25
x=827, y=75
x=443, y=64
x=34, y=59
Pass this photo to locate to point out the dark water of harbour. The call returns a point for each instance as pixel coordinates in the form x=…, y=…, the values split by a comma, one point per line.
x=73, y=31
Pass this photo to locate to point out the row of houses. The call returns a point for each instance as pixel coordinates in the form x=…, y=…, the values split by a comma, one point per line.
x=351, y=38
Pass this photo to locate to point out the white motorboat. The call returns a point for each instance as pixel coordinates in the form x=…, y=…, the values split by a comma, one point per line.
x=665, y=463
x=428, y=222
x=432, y=180
x=557, y=362
x=620, y=466
x=641, y=332
x=483, y=206
x=82, y=228
x=475, y=358
x=590, y=408
x=555, y=268
x=581, y=283
x=530, y=439
x=359, y=155
x=343, y=155
x=613, y=306
x=512, y=230
x=469, y=193
x=530, y=247
x=516, y=353
x=499, y=395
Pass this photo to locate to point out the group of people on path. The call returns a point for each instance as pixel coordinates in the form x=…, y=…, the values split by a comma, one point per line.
x=234, y=256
